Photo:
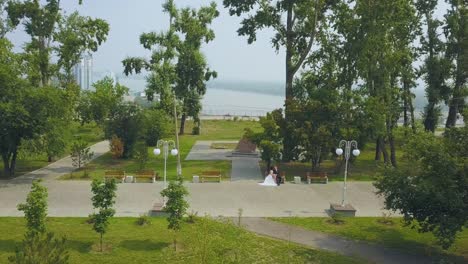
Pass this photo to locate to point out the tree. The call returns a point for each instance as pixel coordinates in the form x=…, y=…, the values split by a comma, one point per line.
x=5, y=25
x=41, y=22
x=296, y=24
x=38, y=246
x=432, y=191
x=80, y=154
x=103, y=200
x=97, y=105
x=116, y=147
x=176, y=205
x=177, y=66
x=269, y=140
x=126, y=122
x=141, y=154
x=25, y=112
x=436, y=68
x=157, y=125
x=191, y=68
x=76, y=35
x=43, y=248
x=35, y=209
x=456, y=33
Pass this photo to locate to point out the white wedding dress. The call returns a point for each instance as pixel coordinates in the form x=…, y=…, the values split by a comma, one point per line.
x=269, y=181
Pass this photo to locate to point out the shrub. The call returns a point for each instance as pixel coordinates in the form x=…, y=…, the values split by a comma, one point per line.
x=336, y=219
x=116, y=147
x=143, y=220
x=196, y=130
x=192, y=217
x=386, y=219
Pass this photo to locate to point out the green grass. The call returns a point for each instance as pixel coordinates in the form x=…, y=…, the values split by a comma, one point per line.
x=90, y=133
x=395, y=235
x=210, y=130
x=205, y=241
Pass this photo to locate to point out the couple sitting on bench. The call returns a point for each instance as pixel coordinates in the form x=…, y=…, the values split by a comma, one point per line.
x=273, y=178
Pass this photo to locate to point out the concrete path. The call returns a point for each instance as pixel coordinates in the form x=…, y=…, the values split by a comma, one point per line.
x=72, y=198
x=245, y=169
x=318, y=240
x=60, y=167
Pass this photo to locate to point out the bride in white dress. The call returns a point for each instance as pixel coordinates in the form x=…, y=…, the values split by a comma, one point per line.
x=269, y=180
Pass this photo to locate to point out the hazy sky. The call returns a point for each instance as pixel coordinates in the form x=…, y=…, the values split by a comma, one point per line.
x=228, y=54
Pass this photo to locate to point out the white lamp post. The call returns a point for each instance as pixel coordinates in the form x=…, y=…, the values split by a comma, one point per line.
x=165, y=144
x=339, y=151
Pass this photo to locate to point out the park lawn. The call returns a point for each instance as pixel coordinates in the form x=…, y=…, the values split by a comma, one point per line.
x=205, y=241
x=395, y=235
x=90, y=133
x=211, y=130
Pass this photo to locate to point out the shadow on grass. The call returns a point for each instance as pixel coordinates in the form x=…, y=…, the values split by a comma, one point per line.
x=143, y=245
x=79, y=246
x=9, y=245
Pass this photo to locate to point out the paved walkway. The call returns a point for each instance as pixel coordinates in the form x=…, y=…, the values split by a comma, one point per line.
x=245, y=169
x=60, y=167
x=72, y=198
x=374, y=253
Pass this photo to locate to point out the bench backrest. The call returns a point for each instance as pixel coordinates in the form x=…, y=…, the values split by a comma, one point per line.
x=317, y=174
x=146, y=173
x=115, y=173
x=211, y=173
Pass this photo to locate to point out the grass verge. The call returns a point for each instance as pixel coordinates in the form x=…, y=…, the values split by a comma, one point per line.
x=394, y=234
x=205, y=241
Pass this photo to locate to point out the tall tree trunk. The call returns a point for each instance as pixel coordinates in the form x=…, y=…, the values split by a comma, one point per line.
x=413, y=122
x=452, y=114
x=430, y=121
x=405, y=111
x=384, y=150
x=287, y=142
x=391, y=141
x=182, y=124
x=377, y=149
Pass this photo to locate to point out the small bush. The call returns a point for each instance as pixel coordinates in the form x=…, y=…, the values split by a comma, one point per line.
x=143, y=220
x=192, y=217
x=235, y=118
x=336, y=219
x=386, y=219
x=196, y=130
x=116, y=147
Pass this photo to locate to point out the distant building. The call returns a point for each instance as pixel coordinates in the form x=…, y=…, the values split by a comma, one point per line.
x=84, y=71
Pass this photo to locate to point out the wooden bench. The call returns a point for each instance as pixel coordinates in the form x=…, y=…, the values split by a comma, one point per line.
x=147, y=174
x=119, y=175
x=210, y=175
x=317, y=176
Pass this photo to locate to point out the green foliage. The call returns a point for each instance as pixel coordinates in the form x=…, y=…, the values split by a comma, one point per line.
x=80, y=153
x=76, y=35
x=143, y=220
x=269, y=141
x=126, y=122
x=141, y=155
x=35, y=209
x=41, y=249
x=103, y=201
x=49, y=32
x=157, y=125
x=176, y=205
x=432, y=192
x=177, y=66
x=116, y=147
x=98, y=105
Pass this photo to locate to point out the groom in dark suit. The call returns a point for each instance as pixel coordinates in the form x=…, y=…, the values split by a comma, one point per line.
x=277, y=175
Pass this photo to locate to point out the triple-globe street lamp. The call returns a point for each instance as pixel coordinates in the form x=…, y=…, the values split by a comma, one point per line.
x=348, y=145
